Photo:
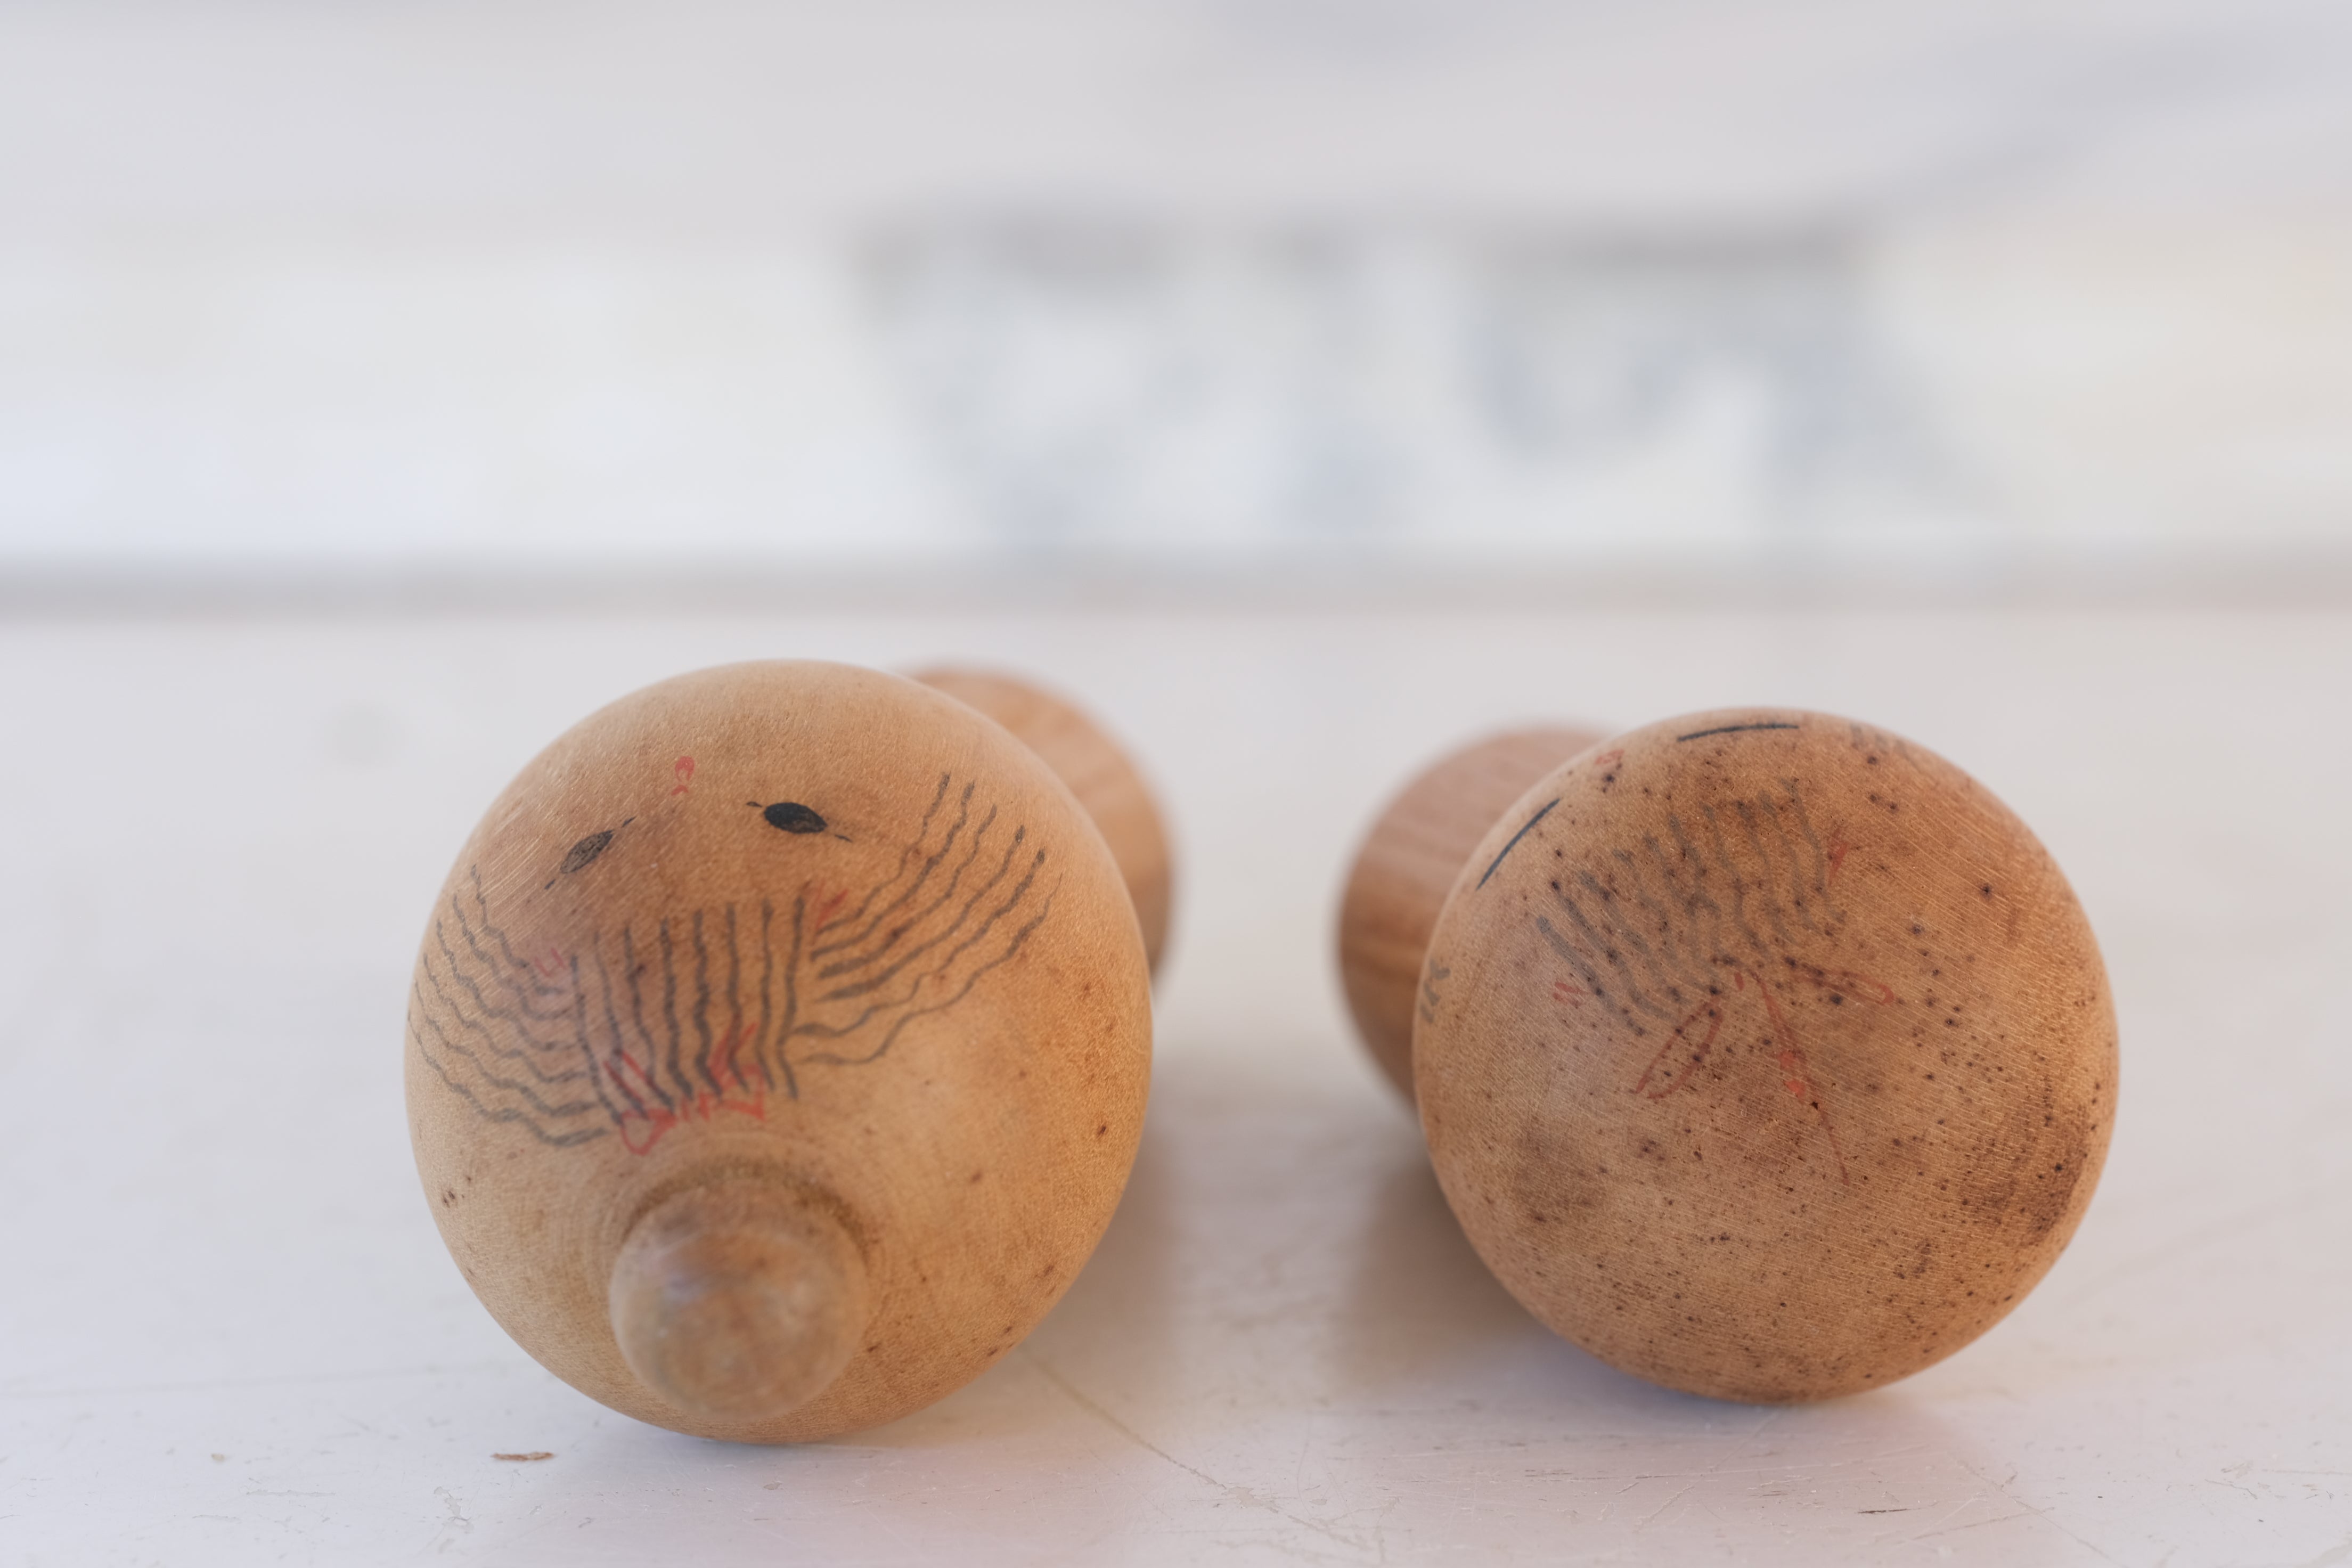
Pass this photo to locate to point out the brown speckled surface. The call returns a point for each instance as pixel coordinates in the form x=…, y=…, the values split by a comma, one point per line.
x=1774, y=1060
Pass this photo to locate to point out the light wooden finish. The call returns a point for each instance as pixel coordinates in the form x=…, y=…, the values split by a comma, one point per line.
x=1768, y=1056
x=1097, y=771
x=1406, y=866
x=736, y=1298
x=778, y=1050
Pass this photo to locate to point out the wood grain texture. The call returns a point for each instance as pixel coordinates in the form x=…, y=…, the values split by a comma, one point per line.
x=823, y=957
x=737, y=1299
x=1407, y=863
x=1097, y=771
x=1769, y=1057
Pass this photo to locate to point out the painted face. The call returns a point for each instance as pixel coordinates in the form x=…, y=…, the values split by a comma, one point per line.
x=694, y=957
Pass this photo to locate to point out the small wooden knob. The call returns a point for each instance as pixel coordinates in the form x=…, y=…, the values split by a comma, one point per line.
x=1407, y=865
x=777, y=1050
x=1764, y=1054
x=738, y=1300
x=1097, y=771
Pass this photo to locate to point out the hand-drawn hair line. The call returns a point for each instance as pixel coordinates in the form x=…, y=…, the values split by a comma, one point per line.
x=712, y=1010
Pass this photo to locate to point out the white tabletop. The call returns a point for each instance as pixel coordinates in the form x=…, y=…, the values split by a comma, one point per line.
x=229, y=1333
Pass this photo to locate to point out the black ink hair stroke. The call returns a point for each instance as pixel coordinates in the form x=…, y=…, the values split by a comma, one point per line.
x=705, y=1010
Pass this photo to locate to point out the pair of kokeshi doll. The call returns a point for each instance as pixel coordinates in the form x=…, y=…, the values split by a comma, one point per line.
x=778, y=1046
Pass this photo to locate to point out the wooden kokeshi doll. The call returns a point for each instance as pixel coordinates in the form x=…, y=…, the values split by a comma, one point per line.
x=1406, y=865
x=778, y=1050
x=1097, y=771
x=1764, y=1053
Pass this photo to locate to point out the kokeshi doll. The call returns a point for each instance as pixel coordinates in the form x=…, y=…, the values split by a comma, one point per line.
x=1408, y=861
x=1764, y=1054
x=778, y=1050
x=1096, y=770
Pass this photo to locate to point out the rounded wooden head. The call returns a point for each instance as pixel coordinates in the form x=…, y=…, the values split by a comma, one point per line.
x=1768, y=1056
x=777, y=1050
x=1103, y=777
x=1407, y=863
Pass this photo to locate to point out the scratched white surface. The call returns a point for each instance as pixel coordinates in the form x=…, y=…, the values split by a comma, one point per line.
x=229, y=1333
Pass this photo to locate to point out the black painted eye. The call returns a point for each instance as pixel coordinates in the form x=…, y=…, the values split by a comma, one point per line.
x=793, y=817
x=587, y=849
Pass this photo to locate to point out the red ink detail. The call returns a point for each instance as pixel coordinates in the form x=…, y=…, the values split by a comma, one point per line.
x=552, y=962
x=730, y=1044
x=1678, y=1038
x=1792, y=1062
x=705, y=1106
x=644, y=1082
x=644, y=1123
x=641, y=1129
x=1610, y=758
x=831, y=904
x=1837, y=859
x=1568, y=994
x=1794, y=1076
x=684, y=769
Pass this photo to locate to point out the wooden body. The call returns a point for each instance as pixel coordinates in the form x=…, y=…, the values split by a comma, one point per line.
x=1407, y=865
x=778, y=1050
x=1768, y=1056
x=1102, y=777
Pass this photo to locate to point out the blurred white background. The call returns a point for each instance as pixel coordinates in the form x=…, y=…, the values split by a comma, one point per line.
x=385, y=292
